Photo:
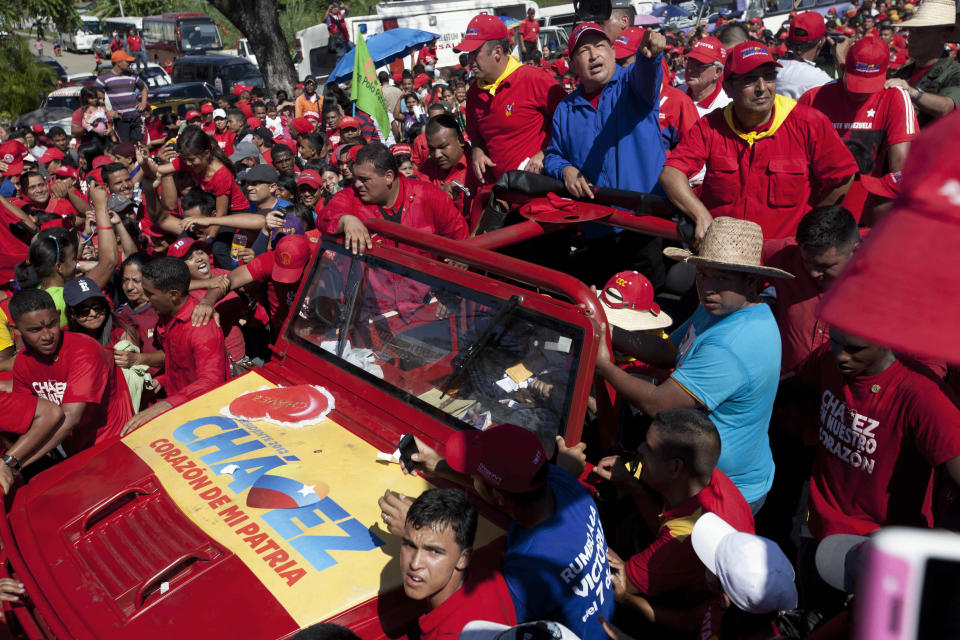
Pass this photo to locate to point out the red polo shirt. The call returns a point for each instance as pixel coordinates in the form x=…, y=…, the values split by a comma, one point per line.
x=772, y=182
x=670, y=564
x=879, y=438
x=421, y=150
x=514, y=124
x=82, y=371
x=529, y=29
x=483, y=596
x=195, y=358
x=224, y=140
x=884, y=119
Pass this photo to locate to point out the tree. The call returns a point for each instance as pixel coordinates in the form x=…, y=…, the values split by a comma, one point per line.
x=62, y=12
x=25, y=82
x=259, y=22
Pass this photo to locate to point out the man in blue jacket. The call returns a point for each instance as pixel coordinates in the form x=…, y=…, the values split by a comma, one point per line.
x=607, y=134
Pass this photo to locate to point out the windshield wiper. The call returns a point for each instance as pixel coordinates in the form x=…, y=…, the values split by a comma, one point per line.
x=468, y=355
x=351, y=301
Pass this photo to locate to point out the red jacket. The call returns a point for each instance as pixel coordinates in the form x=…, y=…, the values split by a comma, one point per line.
x=195, y=357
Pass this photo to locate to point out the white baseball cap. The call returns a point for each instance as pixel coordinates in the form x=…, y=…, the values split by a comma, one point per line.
x=219, y=113
x=539, y=630
x=752, y=570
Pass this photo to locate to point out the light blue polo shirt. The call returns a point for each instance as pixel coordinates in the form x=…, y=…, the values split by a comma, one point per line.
x=731, y=365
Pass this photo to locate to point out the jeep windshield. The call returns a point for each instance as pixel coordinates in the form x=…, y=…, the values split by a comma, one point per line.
x=470, y=355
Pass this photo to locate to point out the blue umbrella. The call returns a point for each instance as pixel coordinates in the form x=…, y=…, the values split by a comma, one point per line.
x=384, y=48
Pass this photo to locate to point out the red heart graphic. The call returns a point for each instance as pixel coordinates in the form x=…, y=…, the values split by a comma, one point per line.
x=288, y=406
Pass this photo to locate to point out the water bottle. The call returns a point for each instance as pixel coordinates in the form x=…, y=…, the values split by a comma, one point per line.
x=239, y=242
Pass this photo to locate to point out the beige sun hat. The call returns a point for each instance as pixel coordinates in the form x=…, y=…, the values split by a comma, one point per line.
x=730, y=244
x=933, y=13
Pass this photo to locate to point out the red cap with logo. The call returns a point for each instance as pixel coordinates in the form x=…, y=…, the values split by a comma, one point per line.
x=482, y=28
x=807, y=27
x=908, y=267
x=628, y=302
x=66, y=171
x=708, y=50
x=349, y=122
x=193, y=114
x=401, y=150
x=420, y=80
x=312, y=116
x=238, y=89
x=51, y=154
x=865, y=70
x=745, y=57
x=886, y=186
x=507, y=457
x=37, y=128
x=100, y=161
x=628, y=42
x=12, y=152
x=182, y=247
x=310, y=178
x=302, y=125
x=206, y=107
x=289, y=258
x=582, y=29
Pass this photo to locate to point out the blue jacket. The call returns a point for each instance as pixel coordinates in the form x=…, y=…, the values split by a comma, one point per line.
x=618, y=144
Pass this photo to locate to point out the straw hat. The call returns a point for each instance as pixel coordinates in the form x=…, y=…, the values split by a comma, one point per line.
x=933, y=13
x=730, y=244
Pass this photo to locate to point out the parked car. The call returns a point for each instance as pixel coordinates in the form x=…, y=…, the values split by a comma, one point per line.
x=200, y=91
x=229, y=70
x=57, y=109
x=155, y=75
x=102, y=46
x=81, y=78
x=251, y=511
x=55, y=65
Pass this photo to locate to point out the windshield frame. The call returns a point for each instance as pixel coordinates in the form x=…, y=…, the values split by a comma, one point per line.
x=185, y=26
x=309, y=359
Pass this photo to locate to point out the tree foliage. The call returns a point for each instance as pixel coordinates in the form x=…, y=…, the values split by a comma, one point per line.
x=26, y=82
x=12, y=12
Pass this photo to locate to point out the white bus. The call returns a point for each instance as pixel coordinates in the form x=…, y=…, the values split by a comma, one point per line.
x=122, y=26
x=81, y=39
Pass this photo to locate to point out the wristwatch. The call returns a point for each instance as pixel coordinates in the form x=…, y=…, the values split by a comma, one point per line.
x=12, y=462
x=920, y=93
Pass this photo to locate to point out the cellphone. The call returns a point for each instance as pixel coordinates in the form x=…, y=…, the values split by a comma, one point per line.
x=462, y=188
x=408, y=447
x=907, y=587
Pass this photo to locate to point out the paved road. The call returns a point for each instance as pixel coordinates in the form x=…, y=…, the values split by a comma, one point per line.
x=72, y=62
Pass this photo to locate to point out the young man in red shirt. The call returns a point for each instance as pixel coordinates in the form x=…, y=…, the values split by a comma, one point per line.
x=768, y=159
x=678, y=461
x=440, y=568
x=195, y=357
x=68, y=369
x=447, y=165
x=509, y=106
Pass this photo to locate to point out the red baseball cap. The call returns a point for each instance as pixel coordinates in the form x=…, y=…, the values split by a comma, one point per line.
x=401, y=150
x=865, y=70
x=897, y=59
x=349, y=122
x=289, y=143
x=99, y=161
x=289, y=258
x=238, y=89
x=51, y=154
x=193, y=114
x=506, y=456
x=708, y=50
x=886, y=186
x=628, y=42
x=580, y=30
x=627, y=299
x=182, y=247
x=312, y=116
x=206, y=107
x=302, y=125
x=756, y=21
x=310, y=178
x=37, y=128
x=482, y=28
x=12, y=152
x=907, y=268
x=420, y=80
x=807, y=27
x=66, y=171
x=745, y=57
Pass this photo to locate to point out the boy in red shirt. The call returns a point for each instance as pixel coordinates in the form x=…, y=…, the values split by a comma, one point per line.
x=440, y=568
x=68, y=369
x=195, y=357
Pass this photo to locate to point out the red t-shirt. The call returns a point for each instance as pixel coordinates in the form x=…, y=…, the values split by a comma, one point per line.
x=529, y=29
x=461, y=173
x=231, y=309
x=221, y=183
x=224, y=140
x=277, y=297
x=483, y=596
x=775, y=181
x=83, y=371
x=17, y=410
x=514, y=124
x=670, y=564
x=882, y=120
x=678, y=114
x=133, y=42
x=879, y=438
x=195, y=358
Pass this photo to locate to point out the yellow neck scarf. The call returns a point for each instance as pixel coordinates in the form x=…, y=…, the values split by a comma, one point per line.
x=782, y=106
x=512, y=65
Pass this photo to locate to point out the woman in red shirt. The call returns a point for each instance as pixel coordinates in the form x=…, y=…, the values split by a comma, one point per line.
x=212, y=169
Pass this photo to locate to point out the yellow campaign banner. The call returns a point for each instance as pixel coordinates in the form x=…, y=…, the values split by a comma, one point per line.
x=296, y=502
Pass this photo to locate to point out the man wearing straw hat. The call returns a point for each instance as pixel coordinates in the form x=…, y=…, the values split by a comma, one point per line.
x=932, y=79
x=726, y=357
